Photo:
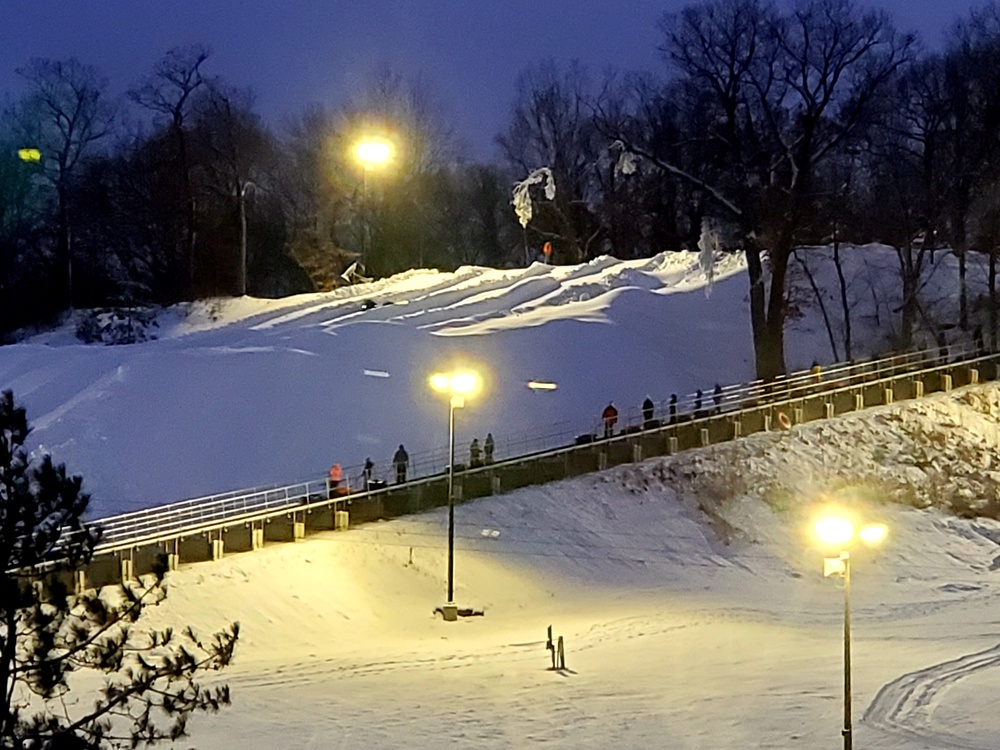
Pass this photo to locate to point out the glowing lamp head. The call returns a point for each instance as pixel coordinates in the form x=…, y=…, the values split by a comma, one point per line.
x=29, y=154
x=834, y=531
x=461, y=383
x=873, y=534
x=373, y=152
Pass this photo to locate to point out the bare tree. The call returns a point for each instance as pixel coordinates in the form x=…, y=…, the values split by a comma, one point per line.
x=65, y=113
x=170, y=91
x=782, y=94
x=551, y=126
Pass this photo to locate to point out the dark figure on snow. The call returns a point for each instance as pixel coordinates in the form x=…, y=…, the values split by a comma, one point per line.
x=488, y=448
x=697, y=403
x=647, y=411
x=400, y=460
x=367, y=473
x=717, y=398
x=610, y=417
x=475, y=454
x=673, y=408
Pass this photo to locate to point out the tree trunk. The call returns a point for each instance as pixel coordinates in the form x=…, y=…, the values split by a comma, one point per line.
x=848, y=355
x=993, y=299
x=64, y=250
x=758, y=318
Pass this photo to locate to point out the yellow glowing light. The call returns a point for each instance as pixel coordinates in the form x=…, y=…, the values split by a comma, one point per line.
x=465, y=383
x=460, y=383
x=374, y=152
x=873, y=534
x=834, y=531
x=29, y=154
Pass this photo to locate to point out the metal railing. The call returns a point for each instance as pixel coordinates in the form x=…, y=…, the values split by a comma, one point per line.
x=198, y=515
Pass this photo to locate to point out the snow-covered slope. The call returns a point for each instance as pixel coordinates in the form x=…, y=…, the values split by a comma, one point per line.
x=691, y=603
x=690, y=599
x=242, y=393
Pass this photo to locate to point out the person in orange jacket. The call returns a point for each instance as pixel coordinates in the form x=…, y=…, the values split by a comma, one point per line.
x=610, y=417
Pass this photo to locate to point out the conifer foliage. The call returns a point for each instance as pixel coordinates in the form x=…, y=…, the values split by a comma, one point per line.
x=50, y=635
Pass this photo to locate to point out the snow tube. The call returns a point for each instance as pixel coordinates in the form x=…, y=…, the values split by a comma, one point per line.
x=783, y=421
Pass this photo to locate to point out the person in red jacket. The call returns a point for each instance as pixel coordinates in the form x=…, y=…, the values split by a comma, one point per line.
x=610, y=417
x=335, y=476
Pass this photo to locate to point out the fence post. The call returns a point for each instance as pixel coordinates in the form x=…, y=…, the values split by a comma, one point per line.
x=551, y=647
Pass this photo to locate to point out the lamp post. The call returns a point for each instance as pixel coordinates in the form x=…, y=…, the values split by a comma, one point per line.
x=370, y=153
x=837, y=532
x=241, y=191
x=457, y=386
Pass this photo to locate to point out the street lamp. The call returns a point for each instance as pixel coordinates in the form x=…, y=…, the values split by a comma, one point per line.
x=457, y=385
x=371, y=153
x=241, y=192
x=837, y=532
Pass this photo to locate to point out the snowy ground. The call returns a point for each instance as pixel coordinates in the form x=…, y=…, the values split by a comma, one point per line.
x=692, y=617
x=691, y=602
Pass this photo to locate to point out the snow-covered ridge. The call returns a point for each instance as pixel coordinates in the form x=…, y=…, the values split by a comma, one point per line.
x=242, y=393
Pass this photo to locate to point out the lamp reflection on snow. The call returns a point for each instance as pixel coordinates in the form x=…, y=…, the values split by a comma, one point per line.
x=837, y=532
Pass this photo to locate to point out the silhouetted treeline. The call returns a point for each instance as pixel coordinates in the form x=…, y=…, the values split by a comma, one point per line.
x=767, y=129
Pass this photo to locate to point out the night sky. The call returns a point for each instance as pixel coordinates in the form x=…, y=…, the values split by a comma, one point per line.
x=297, y=52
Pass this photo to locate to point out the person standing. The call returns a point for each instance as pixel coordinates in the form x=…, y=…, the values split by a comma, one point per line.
x=647, y=411
x=400, y=460
x=334, y=477
x=488, y=447
x=475, y=454
x=610, y=417
x=367, y=473
x=673, y=408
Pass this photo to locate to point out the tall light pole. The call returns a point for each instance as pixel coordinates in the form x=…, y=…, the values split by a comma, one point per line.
x=241, y=192
x=457, y=386
x=838, y=532
x=371, y=153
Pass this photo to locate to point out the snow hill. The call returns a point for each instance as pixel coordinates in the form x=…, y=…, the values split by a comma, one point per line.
x=688, y=594
x=243, y=393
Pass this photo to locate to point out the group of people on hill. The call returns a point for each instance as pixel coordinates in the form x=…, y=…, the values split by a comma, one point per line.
x=609, y=417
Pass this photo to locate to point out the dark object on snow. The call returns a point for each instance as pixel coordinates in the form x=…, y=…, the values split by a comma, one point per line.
x=488, y=447
x=647, y=410
x=368, y=304
x=584, y=439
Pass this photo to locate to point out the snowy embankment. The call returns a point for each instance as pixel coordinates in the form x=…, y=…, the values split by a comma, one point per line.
x=691, y=603
x=242, y=393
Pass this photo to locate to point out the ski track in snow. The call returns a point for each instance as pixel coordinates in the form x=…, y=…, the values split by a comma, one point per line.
x=906, y=705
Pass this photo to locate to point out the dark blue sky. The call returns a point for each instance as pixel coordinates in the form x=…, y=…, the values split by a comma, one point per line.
x=295, y=52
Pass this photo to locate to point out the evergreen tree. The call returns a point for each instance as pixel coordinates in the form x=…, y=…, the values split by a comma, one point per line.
x=48, y=632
